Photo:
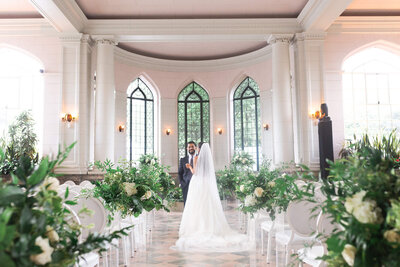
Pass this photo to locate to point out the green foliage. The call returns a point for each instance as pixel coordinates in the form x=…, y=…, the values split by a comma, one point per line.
x=362, y=198
x=130, y=190
x=269, y=189
x=31, y=210
x=20, y=144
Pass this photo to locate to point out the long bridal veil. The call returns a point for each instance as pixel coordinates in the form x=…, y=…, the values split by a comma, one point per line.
x=204, y=226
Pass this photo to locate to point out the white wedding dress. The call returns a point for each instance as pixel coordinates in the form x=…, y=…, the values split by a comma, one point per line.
x=204, y=226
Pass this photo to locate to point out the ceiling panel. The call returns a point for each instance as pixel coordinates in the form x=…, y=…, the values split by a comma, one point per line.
x=373, y=8
x=17, y=9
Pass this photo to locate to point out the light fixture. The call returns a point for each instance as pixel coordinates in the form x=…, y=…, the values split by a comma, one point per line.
x=121, y=128
x=168, y=131
x=266, y=126
x=68, y=117
x=317, y=115
x=219, y=131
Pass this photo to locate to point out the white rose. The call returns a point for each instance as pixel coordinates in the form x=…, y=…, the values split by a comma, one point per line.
x=52, y=234
x=364, y=211
x=241, y=188
x=243, y=161
x=147, y=160
x=130, y=188
x=392, y=236
x=258, y=191
x=147, y=195
x=152, y=162
x=349, y=253
x=250, y=200
x=283, y=175
x=47, y=250
x=52, y=182
x=173, y=182
x=271, y=184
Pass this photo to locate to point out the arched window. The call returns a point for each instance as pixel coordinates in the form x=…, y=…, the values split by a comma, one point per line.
x=193, y=116
x=21, y=88
x=140, y=120
x=371, y=92
x=246, y=119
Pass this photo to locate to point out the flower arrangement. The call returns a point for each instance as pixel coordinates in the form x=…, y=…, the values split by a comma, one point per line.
x=129, y=190
x=242, y=161
x=36, y=228
x=269, y=189
x=363, y=199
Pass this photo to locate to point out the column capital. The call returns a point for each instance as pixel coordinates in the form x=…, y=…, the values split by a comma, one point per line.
x=280, y=38
x=105, y=39
x=310, y=36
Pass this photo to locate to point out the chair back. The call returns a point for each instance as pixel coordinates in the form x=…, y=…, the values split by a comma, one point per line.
x=86, y=184
x=301, y=218
x=69, y=183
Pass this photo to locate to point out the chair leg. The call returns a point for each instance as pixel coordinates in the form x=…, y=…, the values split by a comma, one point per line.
x=269, y=247
x=262, y=241
x=287, y=254
x=125, y=250
x=132, y=234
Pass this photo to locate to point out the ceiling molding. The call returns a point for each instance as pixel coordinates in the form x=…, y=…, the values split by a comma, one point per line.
x=64, y=15
x=318, y=15
x=383, y=24
x=149, y=30
x=26, y=27
x=251, y=58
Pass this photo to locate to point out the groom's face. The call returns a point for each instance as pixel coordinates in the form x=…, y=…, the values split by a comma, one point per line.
x=191, y=148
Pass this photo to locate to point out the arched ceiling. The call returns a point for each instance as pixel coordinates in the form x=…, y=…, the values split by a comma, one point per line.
x=17, y=9
x=373, y=8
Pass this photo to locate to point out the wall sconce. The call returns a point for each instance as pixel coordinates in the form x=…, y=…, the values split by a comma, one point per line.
x=266, y=126
x=68, y=117
x=168, y=131
x=219, y=131
x=317, y=115
x=121, y=128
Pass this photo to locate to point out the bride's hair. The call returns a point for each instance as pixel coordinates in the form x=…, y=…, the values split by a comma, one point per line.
x=200, y=144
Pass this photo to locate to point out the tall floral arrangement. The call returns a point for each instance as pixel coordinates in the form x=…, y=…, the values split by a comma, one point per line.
x=130, y=189
x=36, y=228
x=363, y=199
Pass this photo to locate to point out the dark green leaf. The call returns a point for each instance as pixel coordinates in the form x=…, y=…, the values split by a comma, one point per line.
x=40, y=173
x=10, y=194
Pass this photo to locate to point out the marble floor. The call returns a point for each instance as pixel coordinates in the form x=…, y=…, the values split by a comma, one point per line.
x=164, y=233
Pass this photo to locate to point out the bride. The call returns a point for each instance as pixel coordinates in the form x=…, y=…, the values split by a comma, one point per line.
x=204, y=226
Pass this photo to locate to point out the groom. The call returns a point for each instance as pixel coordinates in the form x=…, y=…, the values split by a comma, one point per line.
x=184, y=173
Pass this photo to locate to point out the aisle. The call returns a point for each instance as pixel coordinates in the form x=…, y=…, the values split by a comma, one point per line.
x=164, y=235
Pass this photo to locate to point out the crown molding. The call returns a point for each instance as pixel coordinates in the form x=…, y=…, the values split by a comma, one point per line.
x=367, y=24
x=251, y=58
x=318, y=15
x=148, y=30
x=26, y=27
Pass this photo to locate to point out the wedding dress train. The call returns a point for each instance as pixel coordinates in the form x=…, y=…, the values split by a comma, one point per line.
x=204, y=226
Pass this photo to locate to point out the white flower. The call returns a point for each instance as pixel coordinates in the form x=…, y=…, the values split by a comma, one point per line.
x=130, y=188
x=152, y=162
x=364, y=211
x=283, y=175
x=52, y=234
x=271, y=184
x=47, y=250
x=243, y=161
x=173, y=182
x=241, y=188
x=258, y=191
x=52, y=182
x=349, y=253
x=147, y=160
x=147, y=195
x=250, y=200
x=392, y=236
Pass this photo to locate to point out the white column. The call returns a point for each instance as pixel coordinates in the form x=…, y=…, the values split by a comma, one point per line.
x=309, y=49
x=105, y=101
x=281, y=99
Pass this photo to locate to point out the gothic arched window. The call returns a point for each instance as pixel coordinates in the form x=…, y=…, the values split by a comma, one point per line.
x=193, y=116
x=140, y=120
x=246, y=119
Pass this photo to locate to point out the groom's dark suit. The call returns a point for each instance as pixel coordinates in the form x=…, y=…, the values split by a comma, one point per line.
x=184, y=175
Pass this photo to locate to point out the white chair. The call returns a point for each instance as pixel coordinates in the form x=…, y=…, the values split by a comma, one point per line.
x=310, y=255
x=303, y=226
x=69, y=183
x=86, y=184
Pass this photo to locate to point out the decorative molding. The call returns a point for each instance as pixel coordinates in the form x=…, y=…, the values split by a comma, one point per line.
x=310, y=36
x=150, y=30
x=375, y=24
x=280, y=38
x=318, y=15
x=251, y=58
x=26, y=27
x=104, y=39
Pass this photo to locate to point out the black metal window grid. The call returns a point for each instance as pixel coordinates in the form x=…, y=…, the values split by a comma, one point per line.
x=247, y=122
x=193, y=116
x=140, y=108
